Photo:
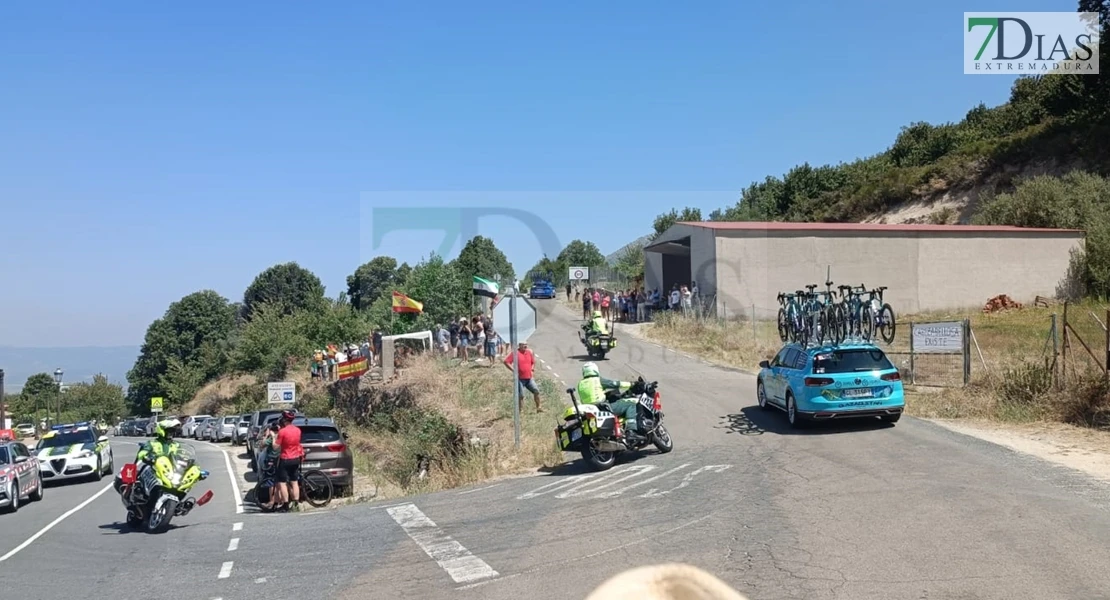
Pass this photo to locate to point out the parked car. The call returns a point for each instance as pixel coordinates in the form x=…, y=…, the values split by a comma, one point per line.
x=326, y=450
x=154, y=423
x=223, y=427
x=25, y=430
x=831, y=382
x=19, y=476
x=189, y=424
x=270, y=419
x=204, y=430
x=242, y=428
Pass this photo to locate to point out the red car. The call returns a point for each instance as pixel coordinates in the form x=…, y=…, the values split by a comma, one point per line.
x=19, y=475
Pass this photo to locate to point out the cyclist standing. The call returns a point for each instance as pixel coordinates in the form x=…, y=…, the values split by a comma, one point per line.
x=290, y=453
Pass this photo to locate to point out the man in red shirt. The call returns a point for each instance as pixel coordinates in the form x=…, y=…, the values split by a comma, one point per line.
x=288, y=444
x=526, y=369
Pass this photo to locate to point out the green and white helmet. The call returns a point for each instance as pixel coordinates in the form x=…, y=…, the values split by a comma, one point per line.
x=590, y=370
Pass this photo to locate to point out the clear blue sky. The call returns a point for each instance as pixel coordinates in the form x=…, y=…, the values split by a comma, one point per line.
x=148, y=152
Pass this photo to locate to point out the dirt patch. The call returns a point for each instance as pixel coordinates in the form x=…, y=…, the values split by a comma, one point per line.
x=1083, y=449
x=216, y=393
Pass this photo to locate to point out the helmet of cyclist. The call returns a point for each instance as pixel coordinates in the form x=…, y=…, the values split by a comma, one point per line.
x=166, y=429
x=288, y=415
x=597, y=314
x=590, y=370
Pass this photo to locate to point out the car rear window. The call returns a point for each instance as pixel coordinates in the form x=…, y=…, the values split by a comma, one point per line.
x=851, y=361
x=314, y=434
x=230, y=420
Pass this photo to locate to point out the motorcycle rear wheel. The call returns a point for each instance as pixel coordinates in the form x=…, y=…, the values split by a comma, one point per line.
x=662, y=439
x=600, y=461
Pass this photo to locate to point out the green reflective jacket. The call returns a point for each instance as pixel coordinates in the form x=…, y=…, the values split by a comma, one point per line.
x=155, y=447
x=591, y=390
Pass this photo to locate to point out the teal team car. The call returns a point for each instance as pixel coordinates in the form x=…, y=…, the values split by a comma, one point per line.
x=831, y=382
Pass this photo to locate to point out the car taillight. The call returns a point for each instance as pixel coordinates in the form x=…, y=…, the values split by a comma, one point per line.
x=336, y=447
x=818, y=381
x=657, y=404
x=891, y=376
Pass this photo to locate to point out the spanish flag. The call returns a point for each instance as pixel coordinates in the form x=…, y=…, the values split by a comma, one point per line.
x=355, y=367
x=404, y=304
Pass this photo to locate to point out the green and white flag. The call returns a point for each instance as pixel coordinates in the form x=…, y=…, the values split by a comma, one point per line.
x=485, y=287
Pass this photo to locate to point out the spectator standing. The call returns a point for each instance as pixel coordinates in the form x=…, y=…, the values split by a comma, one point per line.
x=641, y=306
x=443, y=340
x=586, y=305
x=526, y=365
x=606, y=300
x=596, y=298
x=568, y=291
x=687, y=304
x=479, y=339
x=453, y=332
x=290, y=453
x=676, y=297
x=491, y=345
x=377, y=339
x=464, y=340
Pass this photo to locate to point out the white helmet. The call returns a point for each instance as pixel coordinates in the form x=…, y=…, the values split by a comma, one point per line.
x=590, y=370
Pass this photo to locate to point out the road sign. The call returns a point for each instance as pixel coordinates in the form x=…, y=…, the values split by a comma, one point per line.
x=938, y=338
x=156, y=405
x=525, y=318
x=579, y=273
x=281, y=392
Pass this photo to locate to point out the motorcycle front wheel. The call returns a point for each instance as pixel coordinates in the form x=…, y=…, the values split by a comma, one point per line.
x=159, y=520
x=600, y=461
x=662, y=439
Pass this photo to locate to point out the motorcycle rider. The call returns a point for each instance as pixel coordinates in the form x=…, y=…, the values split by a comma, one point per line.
x=162, y=444
x=596, y=326
x=593, y=387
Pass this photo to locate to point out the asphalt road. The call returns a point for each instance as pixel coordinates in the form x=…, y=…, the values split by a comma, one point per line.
x=855, y=511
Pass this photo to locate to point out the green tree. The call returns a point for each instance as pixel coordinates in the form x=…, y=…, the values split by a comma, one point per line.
x=101, y=400
x=482, y=258
x=664, y=221
x=38, y=397
x=196, y=331
x=288, y=287
x=630, y=263
x=270, y=338
x=371, y=280
x=580, y=254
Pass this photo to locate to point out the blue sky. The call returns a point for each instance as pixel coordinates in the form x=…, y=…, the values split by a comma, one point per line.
x=151, y=151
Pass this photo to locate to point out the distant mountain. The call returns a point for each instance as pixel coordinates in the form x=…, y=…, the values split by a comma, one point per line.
x=77, y=364
x=639, y=242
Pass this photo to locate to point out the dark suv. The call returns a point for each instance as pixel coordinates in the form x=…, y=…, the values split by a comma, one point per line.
x=326, y=450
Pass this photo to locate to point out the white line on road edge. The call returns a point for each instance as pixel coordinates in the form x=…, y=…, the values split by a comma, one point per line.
x=450, y=555
x=233, y=545
x=479, y=489
x=225, y=570
x=237, y=527
x=64, y=516
x=234, y=483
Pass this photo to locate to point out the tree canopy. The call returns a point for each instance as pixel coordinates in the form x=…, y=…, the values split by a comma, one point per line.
x=371, y=280
x=664, y=221
x=287, y=287
x=482, y=258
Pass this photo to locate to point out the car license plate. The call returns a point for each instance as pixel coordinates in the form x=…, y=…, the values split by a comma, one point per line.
x=312, y=465
x=857, y=393
x=574, y=435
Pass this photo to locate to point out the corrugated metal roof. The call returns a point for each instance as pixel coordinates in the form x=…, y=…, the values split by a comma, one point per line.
x=873, y=227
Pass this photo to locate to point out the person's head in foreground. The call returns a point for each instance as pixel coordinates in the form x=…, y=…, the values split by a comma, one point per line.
x=665, y=582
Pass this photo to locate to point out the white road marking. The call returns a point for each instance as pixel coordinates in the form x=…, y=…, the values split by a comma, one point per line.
x=233, y=545
x=560, y=483
x=234, y=482
x=450, y=555
x=225, y=570
x=53, y=523
x=548, y=367
x=237, y=527
x=479, y=489
x=653, y=493
x=616, y=493
x=260, y=580
x=629, y=473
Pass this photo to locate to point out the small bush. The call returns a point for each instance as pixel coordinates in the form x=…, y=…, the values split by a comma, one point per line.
x=1026, y=384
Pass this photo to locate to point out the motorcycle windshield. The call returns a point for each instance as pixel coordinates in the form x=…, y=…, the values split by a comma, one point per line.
x=184, y=457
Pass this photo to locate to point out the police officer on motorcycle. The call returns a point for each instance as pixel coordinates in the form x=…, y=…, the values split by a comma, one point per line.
x=161, y=444
x=593, y=389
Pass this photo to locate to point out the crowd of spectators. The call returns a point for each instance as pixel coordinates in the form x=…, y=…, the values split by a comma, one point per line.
x=325, y=362
x=470, y=340
x=635, y=305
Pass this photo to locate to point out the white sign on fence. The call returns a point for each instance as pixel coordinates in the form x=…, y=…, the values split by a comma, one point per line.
x=937, y=338
x=281, y=392
x=579, y=273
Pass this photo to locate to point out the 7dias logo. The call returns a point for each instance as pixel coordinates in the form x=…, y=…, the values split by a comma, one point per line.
x=1037, y=43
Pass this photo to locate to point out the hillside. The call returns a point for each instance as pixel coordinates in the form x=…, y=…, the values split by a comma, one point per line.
x=613, y=259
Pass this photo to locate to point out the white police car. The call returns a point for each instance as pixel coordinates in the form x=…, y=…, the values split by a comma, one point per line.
x=74, y=451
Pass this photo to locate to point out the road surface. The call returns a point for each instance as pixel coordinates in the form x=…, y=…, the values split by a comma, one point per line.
x=854, y=511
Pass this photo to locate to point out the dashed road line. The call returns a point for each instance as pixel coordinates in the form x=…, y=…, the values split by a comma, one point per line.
x=225, y=570
x=237, y=527
x=449, y=554
x=233, y=545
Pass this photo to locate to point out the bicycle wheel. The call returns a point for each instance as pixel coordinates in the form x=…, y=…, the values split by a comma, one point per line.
x=867, y=324
x=784, y=332
x=887, y=324
x=316, y=488
x=838, y=326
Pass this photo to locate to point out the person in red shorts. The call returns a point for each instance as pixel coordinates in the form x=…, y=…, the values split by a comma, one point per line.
x=290, y=454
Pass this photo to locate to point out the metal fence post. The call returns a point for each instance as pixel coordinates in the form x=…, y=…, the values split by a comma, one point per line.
x=1064, y=349
x=1106, y=363
x=967, y=351
x=913, y=370
x=754, y=336
x=1055, y=353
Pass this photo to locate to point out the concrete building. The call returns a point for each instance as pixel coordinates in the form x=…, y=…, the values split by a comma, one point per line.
x=744, y=265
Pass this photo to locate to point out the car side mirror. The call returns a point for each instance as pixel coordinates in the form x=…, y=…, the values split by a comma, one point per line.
x=102, y=438
x=22, y=459
x=764, y=364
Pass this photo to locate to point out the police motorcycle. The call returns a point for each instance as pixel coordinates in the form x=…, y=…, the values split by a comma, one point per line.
x=597, y=433
x=156, y=490
x=597, y=344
